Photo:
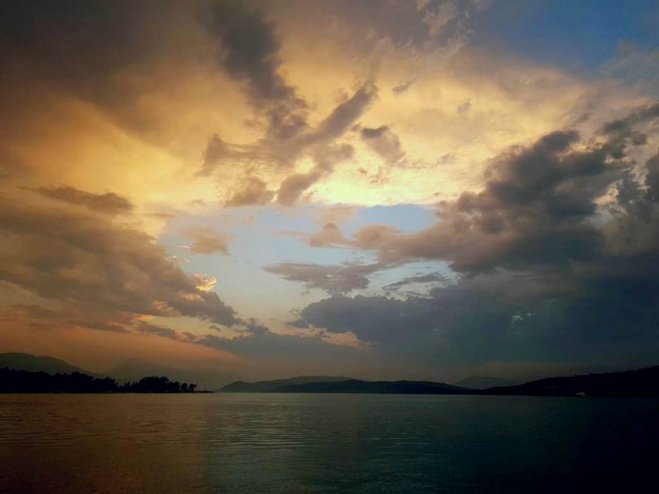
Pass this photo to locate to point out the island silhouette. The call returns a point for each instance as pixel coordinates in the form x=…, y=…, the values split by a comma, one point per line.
x=23, y=381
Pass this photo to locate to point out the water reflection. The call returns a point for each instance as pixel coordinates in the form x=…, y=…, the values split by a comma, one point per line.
x=101, y=443
x=321, y=443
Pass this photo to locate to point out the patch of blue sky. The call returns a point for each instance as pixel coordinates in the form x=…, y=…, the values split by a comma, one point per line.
x=580, y=35
x=261, y=237
x=264, y=236
x=408, y=218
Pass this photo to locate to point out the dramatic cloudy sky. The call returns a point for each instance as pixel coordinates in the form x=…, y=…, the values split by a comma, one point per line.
x=382, y=189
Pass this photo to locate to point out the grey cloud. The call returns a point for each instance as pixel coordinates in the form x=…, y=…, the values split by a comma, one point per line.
x=207, y=241
x=384, y=142
x=319, y=143
x=403, y=87
x=423, y=278
x=216, y=151
x=436, y=24
x=258, y=341
x=254, y=193
x=626, y=124
x=464, y=107
x=250, y=52
x=332, y=279
x=250, y=48
x=344, y=115
x=329, y=235
x=321, y=139
x=95, y=39
x=636, y=67
x=153, y=329
x=293, y=186
x=82, y=259
x=505, y=317
x=109, y=202
x=87, y=48
x=43, y=318
x=266, y=344
x=436, y=21
x=652, y=177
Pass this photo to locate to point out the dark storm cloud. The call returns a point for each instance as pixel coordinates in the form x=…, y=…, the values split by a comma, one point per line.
x=548, y=275
x=83, y=259
x=627, y=123
x=250, y=52
x=607, y=316
x=80, y=46
x=652, y=177
x=112, y=54
x=109, y=202
x=42, y=29
x=250, y=48
x=534, y=210
x=476, y=312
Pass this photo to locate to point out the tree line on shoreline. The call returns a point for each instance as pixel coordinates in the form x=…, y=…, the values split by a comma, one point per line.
x=22, y=381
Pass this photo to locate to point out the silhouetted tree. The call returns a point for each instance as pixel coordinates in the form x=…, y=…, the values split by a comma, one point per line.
x=20, y=381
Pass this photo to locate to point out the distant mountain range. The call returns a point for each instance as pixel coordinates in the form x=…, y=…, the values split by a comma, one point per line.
x=38, y=363
x=484, y=382
x=278, y=385
x=641, y=382
x=320, y=384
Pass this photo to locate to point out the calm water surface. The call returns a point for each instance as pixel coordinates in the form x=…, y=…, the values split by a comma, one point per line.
x=263, y=443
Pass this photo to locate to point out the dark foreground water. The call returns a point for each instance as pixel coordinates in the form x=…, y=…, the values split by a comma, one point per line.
x=254, y=443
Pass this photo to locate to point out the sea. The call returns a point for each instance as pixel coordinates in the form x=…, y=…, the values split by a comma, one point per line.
x=326, y=443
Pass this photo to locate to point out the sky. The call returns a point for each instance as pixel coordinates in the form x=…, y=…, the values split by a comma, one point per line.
x=376, y=189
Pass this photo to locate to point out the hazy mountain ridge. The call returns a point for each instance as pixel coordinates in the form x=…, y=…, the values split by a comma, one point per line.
x=391, y=387
x=276, y=385
x=320, y=384
x=39, y=363
x=485, y=382
x=641, y=382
